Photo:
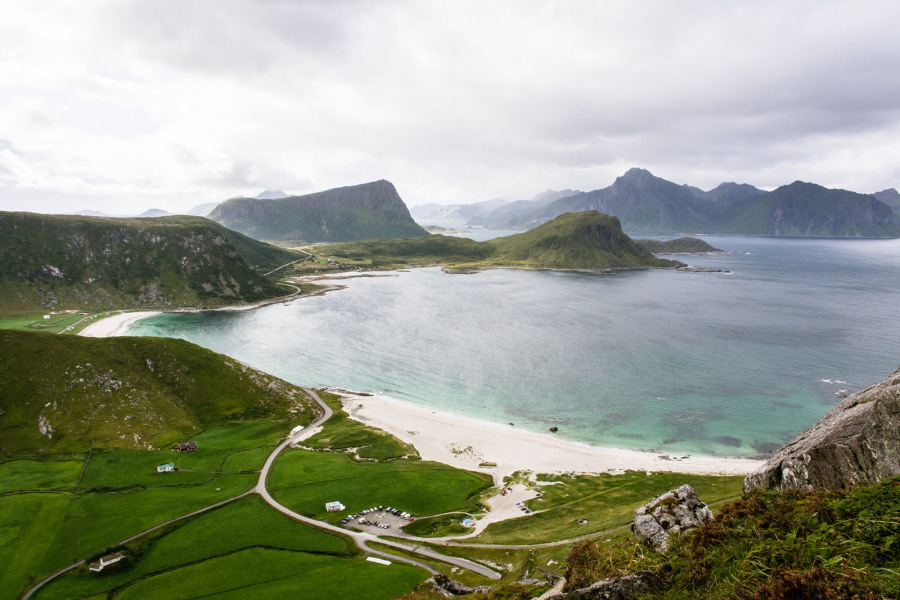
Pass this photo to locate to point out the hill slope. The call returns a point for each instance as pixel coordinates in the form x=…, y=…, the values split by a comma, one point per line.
x=58, y=393
x=367, y=211
x=55, y=261
x=584, y=240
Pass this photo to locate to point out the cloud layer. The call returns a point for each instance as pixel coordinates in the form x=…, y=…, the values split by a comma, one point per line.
x=124, y=105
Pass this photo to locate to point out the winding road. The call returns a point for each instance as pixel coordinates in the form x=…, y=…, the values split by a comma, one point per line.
x=360, y=538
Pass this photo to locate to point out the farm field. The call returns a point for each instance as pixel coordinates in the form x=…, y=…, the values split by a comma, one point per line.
x=305, y=481
x=204, y=548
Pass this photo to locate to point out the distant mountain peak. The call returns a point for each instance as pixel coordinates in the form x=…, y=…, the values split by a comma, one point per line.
x=271, y=195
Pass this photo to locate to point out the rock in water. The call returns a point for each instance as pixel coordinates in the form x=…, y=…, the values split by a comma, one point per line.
x=672, y=512
x=857, y=442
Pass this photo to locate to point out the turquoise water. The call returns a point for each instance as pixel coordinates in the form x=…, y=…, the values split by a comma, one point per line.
x=724, y=364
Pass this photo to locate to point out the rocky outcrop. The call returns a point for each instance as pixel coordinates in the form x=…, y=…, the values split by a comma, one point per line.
x=449, y=588
x=672, y=512
x=857, y=442
x=616, y=588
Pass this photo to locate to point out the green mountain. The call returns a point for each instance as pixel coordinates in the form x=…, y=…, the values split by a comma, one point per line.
x=586, y=240
x=60, y=393
x=56, y=261
x=367, y=211
x=648, y=204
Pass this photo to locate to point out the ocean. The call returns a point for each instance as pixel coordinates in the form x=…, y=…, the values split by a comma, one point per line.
x=722, y=364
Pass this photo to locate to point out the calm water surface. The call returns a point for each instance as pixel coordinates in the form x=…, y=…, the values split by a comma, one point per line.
x=725, y=364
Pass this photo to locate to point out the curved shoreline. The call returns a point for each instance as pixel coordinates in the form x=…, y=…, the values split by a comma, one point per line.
x=493, y=448
x=468, y=443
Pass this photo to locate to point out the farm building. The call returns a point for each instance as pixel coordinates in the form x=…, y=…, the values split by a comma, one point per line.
x=186, y=447
x=105, y=561
x=334, y=506
x=166, y=468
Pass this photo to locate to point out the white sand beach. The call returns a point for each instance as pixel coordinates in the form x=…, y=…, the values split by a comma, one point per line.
x=115, y=324
x=468, y=443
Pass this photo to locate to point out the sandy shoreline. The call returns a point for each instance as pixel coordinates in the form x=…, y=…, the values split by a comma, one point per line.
x=468, y=443
x=114, y=325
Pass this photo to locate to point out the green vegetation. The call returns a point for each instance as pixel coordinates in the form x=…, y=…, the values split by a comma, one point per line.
x=587, y=240
x=305, y=481
x=368, y=211
x=575, y=506
x=439, y=526
x=245, y=523
x=345, y=434
x=683, y=245
x=771, y=545
x=278, y=574
x=56, y=261
x=61, y=393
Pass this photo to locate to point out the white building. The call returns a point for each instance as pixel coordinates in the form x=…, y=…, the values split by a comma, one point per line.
x=334, y=506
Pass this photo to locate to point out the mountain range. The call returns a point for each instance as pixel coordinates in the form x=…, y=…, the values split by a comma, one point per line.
x=367, y=211
x=645, y=203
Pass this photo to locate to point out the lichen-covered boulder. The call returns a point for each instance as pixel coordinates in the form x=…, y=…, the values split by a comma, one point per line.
x=672, y=512
x=856, y=443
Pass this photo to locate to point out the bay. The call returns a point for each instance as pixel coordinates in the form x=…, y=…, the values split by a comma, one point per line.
x=681, y=363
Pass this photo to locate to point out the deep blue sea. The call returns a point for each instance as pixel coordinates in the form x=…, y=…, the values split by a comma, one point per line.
x=690, y=363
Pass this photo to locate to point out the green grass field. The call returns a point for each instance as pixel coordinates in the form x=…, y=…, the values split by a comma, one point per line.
x=343, y=433
x=438, y=526
x=245, y=523
x=278, y=574
x=304, y=481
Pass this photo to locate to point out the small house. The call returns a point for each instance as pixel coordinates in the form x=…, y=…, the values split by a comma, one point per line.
x=186, y=447
x=334, y=506
x=166, y=468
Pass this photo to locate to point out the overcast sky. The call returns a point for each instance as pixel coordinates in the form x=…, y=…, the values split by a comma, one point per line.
x=123, y=105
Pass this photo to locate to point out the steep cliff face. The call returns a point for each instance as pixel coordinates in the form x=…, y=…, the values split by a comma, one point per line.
x=55, y=261
x=857, y=442
x=806, y=209
x=367, y=211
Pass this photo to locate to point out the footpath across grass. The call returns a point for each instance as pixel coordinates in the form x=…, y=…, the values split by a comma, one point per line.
x=573, y=506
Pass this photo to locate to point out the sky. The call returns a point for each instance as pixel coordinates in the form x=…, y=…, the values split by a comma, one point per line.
x=125, y=105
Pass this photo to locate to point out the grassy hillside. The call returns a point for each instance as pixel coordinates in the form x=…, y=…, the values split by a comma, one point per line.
x=771, y=545
x=368, y=211
x=56, y=261
x=586, y=240
x=60, y=393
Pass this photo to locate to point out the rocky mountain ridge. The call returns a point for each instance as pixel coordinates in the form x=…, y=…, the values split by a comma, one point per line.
x=648, y=204
x=368, y=211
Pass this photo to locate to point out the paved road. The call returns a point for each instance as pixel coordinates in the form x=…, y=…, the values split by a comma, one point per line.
x=360, y=538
